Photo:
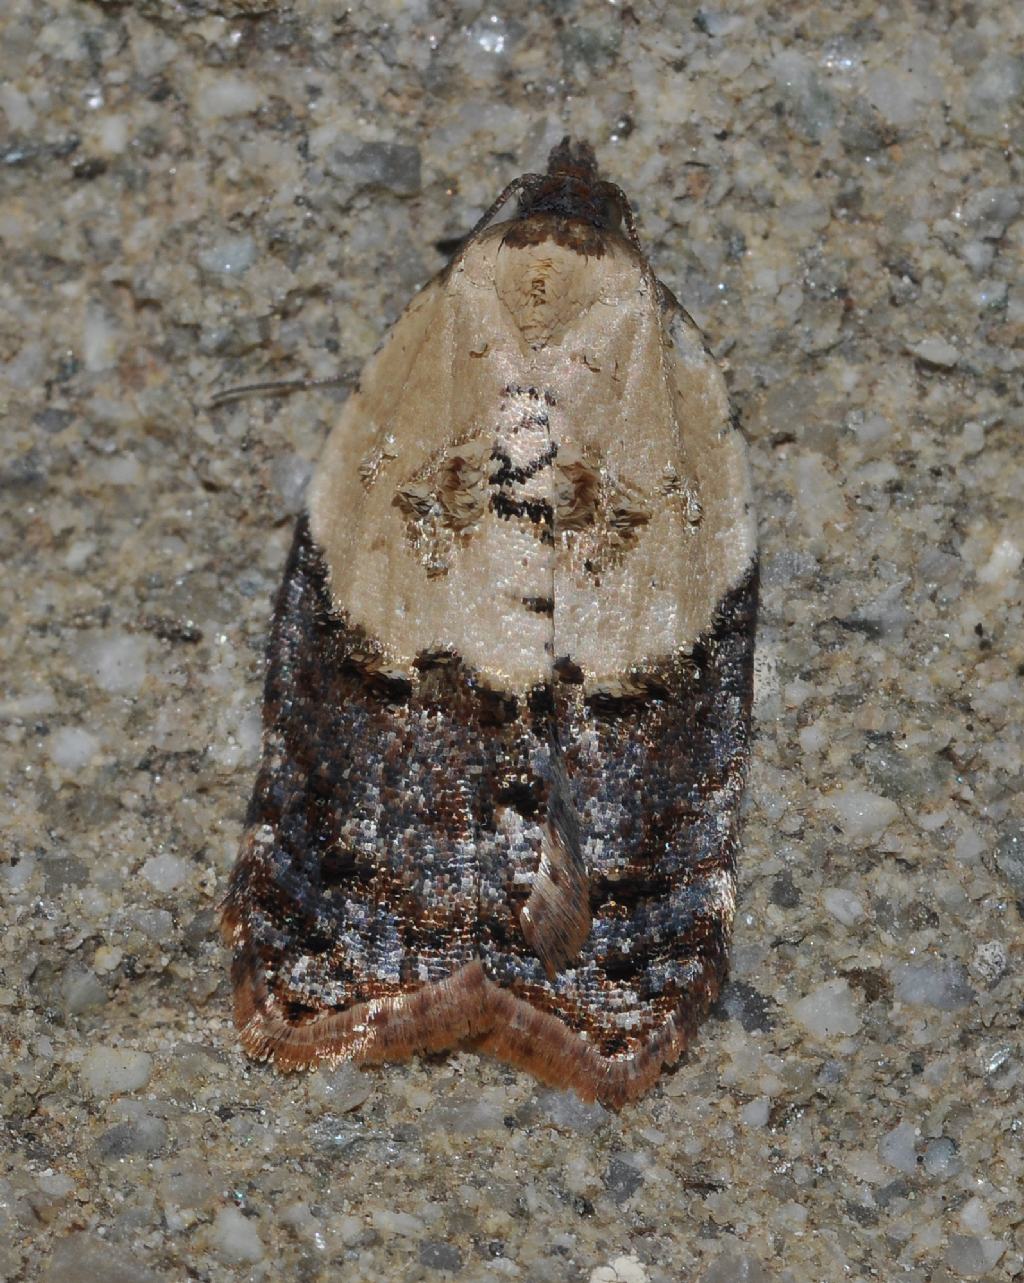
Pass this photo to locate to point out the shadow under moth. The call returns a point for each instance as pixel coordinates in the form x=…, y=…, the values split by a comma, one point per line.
x=507, y=705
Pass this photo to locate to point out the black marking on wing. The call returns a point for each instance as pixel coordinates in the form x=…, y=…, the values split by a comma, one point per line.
x=508, y=475
x=538, y=511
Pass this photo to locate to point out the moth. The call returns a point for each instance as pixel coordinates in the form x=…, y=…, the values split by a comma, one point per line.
x=507, y=706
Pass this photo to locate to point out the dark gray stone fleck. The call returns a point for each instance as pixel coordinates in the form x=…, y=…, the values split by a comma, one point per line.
x=128, y=1139
x=25, y=476
x=1010, y=857
x=392, y=167
x=862, y=131
x=63, y=871
x=990, y=211
x=785, y=892
x=890, y=1193
x=622, y=1179
x=53, y=420
x=906, y=777
x=861, y=1213
x=753, y=1009
x=199, y=931
x=966, y=1255
x=440, y=1256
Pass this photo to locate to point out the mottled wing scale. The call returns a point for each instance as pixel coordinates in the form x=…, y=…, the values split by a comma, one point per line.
x=508, y=694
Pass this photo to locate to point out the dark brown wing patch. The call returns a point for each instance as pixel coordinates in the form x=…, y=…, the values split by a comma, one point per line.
x=445, y=857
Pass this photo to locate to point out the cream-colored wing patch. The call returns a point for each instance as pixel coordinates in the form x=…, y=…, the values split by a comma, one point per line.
x=433, y=495
x=570, y=487
x=673, y=531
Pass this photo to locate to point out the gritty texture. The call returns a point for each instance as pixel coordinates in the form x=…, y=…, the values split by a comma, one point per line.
x=199, y=197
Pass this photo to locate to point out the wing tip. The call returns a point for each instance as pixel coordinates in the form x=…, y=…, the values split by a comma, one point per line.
x=467, y=1009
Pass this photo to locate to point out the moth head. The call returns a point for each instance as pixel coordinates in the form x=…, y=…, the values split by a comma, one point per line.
x=573, y=188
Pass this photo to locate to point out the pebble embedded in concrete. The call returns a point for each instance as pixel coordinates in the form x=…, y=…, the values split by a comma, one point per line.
x=235, y=1237
x=106, y=1071
x=829, y=1011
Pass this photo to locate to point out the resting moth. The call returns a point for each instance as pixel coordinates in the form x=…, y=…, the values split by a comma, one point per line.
x=507, y=704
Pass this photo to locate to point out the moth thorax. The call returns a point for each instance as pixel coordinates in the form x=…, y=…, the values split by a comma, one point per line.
x=545, y=287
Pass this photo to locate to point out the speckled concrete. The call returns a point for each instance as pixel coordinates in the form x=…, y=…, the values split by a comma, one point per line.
x=195, y=196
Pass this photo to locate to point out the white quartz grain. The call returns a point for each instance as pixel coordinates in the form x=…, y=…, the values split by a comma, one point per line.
x=861, y=813
x=236, y=1237
x=898, y=1147
x=106, y=1071
x=828, y=1011
x=166, y=872
x=72, y=747
x=936, y=351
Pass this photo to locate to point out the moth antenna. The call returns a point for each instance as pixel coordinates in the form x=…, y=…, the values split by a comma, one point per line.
x=275, y=387
x=578, y=158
